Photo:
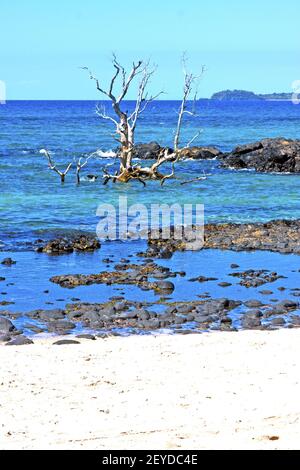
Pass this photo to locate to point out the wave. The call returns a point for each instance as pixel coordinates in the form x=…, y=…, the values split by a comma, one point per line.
x=105, y=154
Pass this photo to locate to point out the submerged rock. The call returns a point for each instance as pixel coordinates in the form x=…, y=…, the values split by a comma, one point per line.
x=256, y=278
x=7, y=262
x=200, y=153
x=135, y=274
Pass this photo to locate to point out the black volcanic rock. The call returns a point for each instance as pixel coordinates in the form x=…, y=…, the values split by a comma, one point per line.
x=68, y=245
x=148, y=151
x=268, y=155
x=200, y=153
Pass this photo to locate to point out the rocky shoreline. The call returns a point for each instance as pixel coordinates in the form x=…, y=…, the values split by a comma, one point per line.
x=280, y=236
x=121, y=316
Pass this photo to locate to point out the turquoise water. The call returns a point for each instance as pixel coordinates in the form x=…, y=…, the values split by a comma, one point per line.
x=33, y=203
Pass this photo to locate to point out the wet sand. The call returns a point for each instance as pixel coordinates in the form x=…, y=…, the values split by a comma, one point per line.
x=198, y=391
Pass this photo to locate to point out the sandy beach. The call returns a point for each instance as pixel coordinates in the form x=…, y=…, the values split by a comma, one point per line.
x=206, y=391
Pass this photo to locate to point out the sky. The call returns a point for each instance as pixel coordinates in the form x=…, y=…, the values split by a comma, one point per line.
x=252, y=45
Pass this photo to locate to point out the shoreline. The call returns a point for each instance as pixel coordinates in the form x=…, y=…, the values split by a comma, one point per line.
x=107, y=292
x=278, y=235
x=207, y=391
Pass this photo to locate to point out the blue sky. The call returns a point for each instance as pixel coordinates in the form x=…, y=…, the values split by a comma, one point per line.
x=251, y=45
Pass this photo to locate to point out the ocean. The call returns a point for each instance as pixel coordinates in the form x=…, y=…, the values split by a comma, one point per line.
x=34, y=204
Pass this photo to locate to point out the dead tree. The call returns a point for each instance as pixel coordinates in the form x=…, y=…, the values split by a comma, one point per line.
x=81, y=164
x=52, y=165
x=125, y=123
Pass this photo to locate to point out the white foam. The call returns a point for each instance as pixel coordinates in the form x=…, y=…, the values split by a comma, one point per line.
x=107, y=154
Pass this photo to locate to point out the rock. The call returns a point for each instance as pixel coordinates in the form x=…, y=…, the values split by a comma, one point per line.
x=250, y=322
x=8, y=262
x=19, y=341
x=53, y=314
x=279, y=235
x=4, y=338
x=86, y=336
x=253, y=303
x=184, y=308
x=288, y=304
x=128, y=315
x=203, y=279
x=152, y=324
x=224, y=284
x=135, y=274
x=66, y=341
x=119, y=306
x=68, y=245
x=141, y=313
x=6, y=326
x=256, y=278
x=295, y=320
x=268, y=155
x=255, y=313
x=226, y=320
x=278, y=321
x=163, y=286
x=200, y=153
x=234, y=266
x=60, y=326
x=147, y=151
x=179, y=320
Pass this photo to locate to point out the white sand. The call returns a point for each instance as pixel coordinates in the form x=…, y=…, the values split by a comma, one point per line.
x=209, y=391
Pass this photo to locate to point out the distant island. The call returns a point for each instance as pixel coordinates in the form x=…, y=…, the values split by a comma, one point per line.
x=243, y=95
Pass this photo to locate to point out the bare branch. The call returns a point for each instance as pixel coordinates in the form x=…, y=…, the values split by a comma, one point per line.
x=53, y=167
x=101, y=112
x=143, y=100
x=80, y=165
x=193, y=139
x=136, y=69
x=190, y=82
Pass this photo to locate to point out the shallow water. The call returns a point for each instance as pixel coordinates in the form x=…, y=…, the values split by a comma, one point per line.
x=30, y=278
x=33, y=203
